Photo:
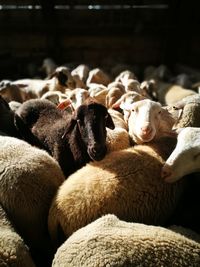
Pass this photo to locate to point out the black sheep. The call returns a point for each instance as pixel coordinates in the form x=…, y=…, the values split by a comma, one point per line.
x=12, y=125
x=73, y=140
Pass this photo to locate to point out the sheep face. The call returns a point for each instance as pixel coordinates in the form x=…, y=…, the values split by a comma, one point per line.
x=144, y=120
x=92, y=120
x=185, y=158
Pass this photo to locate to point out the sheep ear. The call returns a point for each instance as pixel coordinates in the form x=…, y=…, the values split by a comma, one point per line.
x=71, y=125
x=109, y=122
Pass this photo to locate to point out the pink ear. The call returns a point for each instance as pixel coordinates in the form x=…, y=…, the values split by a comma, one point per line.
x=64, y=104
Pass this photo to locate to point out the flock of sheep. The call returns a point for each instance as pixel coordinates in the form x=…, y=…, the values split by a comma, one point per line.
x=98, y=170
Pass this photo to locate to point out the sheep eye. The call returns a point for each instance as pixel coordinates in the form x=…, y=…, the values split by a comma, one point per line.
x=159, y=112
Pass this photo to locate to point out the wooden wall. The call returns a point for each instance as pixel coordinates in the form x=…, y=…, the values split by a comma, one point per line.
x=151, y=32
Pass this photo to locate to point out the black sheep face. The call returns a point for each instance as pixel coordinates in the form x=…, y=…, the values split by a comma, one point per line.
x=92, y=121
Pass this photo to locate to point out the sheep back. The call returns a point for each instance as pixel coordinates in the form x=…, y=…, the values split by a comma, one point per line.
x=126, y=183
x=111, y=242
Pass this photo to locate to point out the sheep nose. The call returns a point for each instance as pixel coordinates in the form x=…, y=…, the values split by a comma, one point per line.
x=146, y=129
x=166, y=171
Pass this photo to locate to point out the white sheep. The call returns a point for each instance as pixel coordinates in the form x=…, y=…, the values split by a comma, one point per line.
x=186, y=112
x=13, y=250
x=80, y=74
x=148, y=120
x=124, y=76
x=185, y=158
x=109, y=241
x=125, y=101
x=29, y=178
x=99, y=76
x=113, y=94
x=126, y=183
x=60, y=80
x=77, y=96
x=55, y=97
x=118, y=138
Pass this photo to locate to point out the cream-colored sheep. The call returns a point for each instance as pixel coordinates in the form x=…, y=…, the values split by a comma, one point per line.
x=55, y=97
x=80, y=74
x=169, y=94
x=99, y=76
x=111, y=242
x=186, y=112
x=13, y=250
x=118, y=138
x=185, y=158
x=112, y=96
x=148, y=121
x=77, y=97
x=124, y=76
x=60, y=80
x=29, y=178
x=126, y=183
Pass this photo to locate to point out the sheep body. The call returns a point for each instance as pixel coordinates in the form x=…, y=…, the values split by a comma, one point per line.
x=126, y=183
x=13, y=250
x=185, y=158
x=29, y=178
x=109, y=241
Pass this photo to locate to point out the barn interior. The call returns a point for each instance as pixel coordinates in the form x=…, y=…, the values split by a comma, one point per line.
x=99, y=33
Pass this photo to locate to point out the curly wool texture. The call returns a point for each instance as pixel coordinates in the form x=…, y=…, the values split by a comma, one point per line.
x=126, y=183
x=13, y=251
x=29, y=179
x=111, y=242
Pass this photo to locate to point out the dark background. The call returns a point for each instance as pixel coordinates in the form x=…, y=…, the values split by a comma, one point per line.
x=99, y=33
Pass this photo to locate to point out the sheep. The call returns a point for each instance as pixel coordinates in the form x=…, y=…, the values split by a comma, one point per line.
x=77, y=97
x=60, y=80
x=13, y=250
x=109, y=241
x=148, y=89
x=118, y=138
x=126, y=183
x=12, y=125
x=72, y=140
x=125, y=101
x=14, y=105
x=183, y=80
x=112, y=95
x=161, y=73
x=169, y=93
x=80, y=74
x=97, y=75
x=185, y=158
x=124, y=76
x=49, y=66
x=100, y=95
x=11, y=92
x=148, y=120
x=29, y=179
x=186, y=112
x=55, y=97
